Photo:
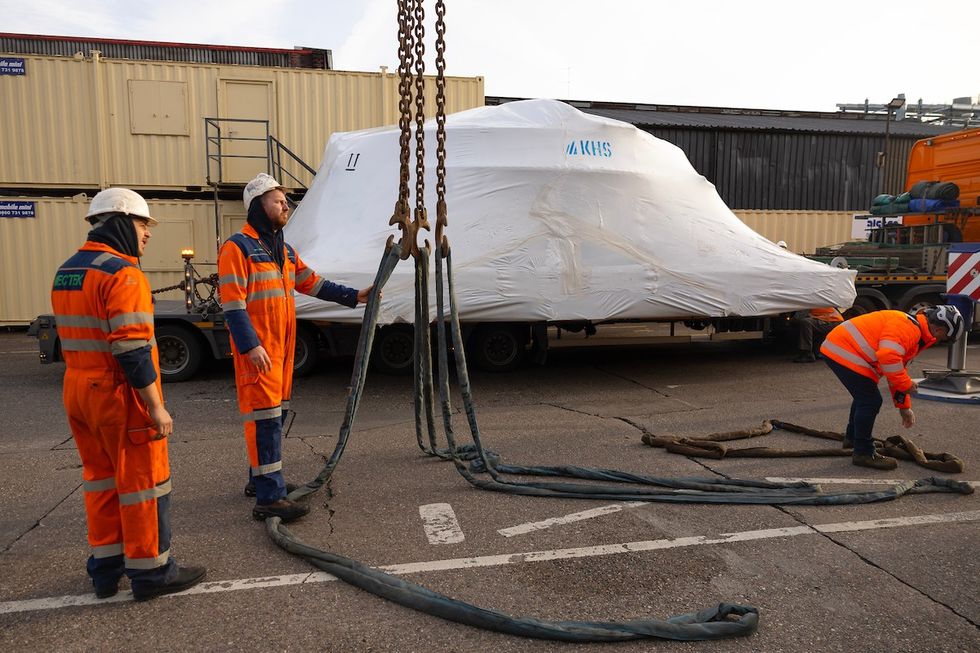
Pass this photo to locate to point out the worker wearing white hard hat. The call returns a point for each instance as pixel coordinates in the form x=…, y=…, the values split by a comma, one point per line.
x=258, y=272
x=114, y=401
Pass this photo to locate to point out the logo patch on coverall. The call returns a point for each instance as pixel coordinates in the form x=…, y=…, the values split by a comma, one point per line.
x=69, y=280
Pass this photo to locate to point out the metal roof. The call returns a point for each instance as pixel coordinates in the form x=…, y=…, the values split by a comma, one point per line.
x=67, y=46
x=720, y=118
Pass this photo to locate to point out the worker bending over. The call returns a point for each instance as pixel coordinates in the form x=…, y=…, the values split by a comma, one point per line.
x=863, y=349
x=258, y=272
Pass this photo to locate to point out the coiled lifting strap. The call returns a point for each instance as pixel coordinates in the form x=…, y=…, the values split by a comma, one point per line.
x=725, y=620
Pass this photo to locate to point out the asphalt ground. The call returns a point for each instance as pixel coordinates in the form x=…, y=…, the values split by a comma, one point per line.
x=894, y=576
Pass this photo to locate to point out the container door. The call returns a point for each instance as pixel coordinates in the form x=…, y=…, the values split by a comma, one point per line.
x=245, y=155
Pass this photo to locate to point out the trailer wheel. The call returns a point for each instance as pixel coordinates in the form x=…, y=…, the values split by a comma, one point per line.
x=180, y=352
x=307, y=352
x=921, y=303
x=861, y=306
x=394, y=350
x=498, y=347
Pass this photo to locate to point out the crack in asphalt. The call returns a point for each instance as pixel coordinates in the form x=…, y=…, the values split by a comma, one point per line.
x=39, y=520
x=643, y=385
x=872, y=563
x=326, y=487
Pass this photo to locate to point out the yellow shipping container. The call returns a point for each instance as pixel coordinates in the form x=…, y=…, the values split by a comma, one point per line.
x=88, y=122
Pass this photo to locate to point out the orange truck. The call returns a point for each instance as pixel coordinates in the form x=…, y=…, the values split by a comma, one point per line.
x=951, y=157
x=902, y=264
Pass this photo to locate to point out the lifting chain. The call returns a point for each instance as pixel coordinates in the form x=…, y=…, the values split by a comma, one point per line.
x=406, y=54
x=442, y=243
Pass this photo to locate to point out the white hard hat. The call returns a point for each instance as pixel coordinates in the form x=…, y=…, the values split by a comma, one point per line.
x=782, y=244
x=119, y=200
x=259, y=186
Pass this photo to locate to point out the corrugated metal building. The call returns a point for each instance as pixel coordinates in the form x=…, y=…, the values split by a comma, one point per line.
x=75, y=120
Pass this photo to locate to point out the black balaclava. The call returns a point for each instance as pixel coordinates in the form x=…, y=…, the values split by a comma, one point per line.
x=118, y=232
x=271, y=238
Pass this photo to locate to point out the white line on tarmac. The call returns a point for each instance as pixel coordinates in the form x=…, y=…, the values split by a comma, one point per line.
x=52, y=603
x=440, y=524
x=847, y=481
x=529, y=527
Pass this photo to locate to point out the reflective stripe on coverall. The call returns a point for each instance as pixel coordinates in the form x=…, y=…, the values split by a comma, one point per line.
x=880, y=344
x=251, y=281
x=103, y=308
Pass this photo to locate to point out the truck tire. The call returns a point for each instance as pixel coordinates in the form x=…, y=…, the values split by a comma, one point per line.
x=307, y=351
x=181, y=353
x=913, y=302
x=866, y=303
x=394, y=350
x=498, y=347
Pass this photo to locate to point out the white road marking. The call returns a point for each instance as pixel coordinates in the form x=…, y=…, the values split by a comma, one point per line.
x=847, y=481
x=56, y=602
x=529, y=527
x=440, y=523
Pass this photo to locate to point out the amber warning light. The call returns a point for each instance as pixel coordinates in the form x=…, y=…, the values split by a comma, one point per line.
x=187, y=254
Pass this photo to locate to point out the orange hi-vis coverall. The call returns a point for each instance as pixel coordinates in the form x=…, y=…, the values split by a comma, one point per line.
x=880, y=344
x=257, y=299
x=104, y=315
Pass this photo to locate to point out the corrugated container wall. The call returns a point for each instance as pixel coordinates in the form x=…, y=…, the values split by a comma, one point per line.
x=88, y=122
x=32, y=248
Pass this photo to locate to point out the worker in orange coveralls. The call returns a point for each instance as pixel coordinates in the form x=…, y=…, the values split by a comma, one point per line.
x=104, y=317
x=867, y=347
x=258, y=272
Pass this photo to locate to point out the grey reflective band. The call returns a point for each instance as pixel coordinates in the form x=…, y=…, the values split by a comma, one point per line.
x=231, y=278
x=270, y=293
x=100, y=485
x=122, y=346
x=265, y=275
x=82, y=321
x=892, y=368
x=148, y=563
x=894, y=346
x=265, y=413
x=237, y=305
x=136, y=317
x=132, y=498
x=848, y=355
x=267, y=469
x=859, y=339
x=107, y=550
x=304, y=275
x=84, y=344
x=102, y=258
x=317, y=286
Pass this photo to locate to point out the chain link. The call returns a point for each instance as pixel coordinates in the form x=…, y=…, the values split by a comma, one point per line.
x=421, y=219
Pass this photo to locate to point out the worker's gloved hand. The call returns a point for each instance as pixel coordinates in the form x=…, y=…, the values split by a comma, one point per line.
x=259, y=357
x=163, y=422
x=914, y=388
x=908, y=417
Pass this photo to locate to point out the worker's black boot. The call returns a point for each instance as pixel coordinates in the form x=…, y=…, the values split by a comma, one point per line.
x=805, y=357
x=284, y=509
x=250, y=488
x=184, y=578
x=106, y=590
x=874, y=461
x=847, y=443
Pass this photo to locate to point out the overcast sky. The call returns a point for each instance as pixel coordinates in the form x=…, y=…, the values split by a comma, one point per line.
x=754, y=53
